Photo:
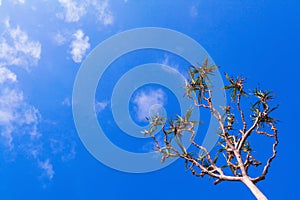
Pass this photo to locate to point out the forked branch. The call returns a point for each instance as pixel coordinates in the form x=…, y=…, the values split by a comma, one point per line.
x=234, y=141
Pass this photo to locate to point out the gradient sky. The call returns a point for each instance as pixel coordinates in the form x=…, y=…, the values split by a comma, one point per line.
x=42, y=45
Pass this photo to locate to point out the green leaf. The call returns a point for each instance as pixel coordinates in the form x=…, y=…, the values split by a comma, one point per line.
x=205, y=62
x=188, y=114
x=216, y=158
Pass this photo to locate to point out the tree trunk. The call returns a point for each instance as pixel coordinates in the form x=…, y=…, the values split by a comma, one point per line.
x=255, y=191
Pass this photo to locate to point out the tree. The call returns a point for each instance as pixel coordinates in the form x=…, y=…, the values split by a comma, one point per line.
x=233, y=155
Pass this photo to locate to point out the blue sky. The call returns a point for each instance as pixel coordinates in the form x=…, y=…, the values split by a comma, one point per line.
x=42, y=46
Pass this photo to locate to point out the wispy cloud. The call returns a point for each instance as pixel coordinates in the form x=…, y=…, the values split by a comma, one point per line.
x=7, y=75
x=100, y=106
x=47, y=167
x=194, y=11
x=66, y=150
x=166, y=61
x=16, y=115
x=103, y=12
x=20, y=120
x=145, y=100
x=17, y=49
x=66, y=102
x=19, y=1
x=74, y=10
x=60, y=39
x=15, y=1
x=79, y=46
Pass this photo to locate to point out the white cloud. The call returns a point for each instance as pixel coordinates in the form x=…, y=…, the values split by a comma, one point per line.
x=166, y=62
x=100, y=106
x=104, y=14
x=17, y=49
x=66, y=102
x=60, y=39
x=16, y=1
x=193, y=11
x=79, y=46
x=19, y=128
x=19, y=120
x=70, y=154
x=16, y=116
x=63, y=148
x=0, y=2
x=7, y=75
x=74, y=10
x=10, y=101
x=144, y=101
x=48, y=168
x=19, y=123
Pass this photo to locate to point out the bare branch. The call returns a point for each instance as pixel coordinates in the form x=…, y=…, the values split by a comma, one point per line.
x=268, y=164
